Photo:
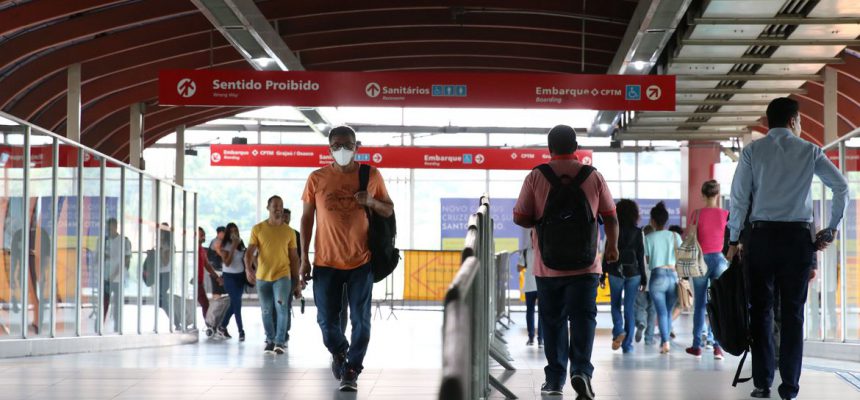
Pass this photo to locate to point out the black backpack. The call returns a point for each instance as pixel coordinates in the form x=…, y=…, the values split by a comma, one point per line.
x=214, y=259
x=628, y=263
x=149, y=268
x=567, y=231
x=384, y=257
x=729, y=314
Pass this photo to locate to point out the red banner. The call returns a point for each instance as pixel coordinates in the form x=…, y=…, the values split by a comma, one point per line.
x=228, y=155
x=41, y=157
x=416, y=89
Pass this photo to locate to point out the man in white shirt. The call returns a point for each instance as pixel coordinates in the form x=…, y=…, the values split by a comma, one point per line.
x=117, y=256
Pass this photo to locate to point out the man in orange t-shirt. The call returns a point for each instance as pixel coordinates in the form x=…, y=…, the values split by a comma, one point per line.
x=342, y=256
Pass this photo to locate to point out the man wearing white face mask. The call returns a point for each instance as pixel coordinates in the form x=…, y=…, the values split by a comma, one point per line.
x=342, y=256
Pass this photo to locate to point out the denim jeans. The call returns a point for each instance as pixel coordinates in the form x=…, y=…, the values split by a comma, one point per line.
x=646, y=315
x=566, y=300
x=664, y=293
x=624, y=323
x=234, y=284
x=717, y=264
x=328, y=292
x=273, y=299
x=531, y=301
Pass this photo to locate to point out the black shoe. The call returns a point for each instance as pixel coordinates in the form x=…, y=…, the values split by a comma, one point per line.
x=639, y=330
x=760, y=393
x=270, y=348
x=241, y=336
x=223, y=332
x=550, y=390
x=349, y=382
x=337, y=364
x=279, y=349
x=582, y=385
x=531, y=342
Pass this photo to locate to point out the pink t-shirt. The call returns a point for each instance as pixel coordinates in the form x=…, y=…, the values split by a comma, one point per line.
x=711, y=228
x=533, y=198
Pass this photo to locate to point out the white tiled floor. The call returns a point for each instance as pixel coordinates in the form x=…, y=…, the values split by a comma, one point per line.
x=403, y=363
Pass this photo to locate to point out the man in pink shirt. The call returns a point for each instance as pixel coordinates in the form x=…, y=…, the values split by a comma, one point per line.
x=566, y=292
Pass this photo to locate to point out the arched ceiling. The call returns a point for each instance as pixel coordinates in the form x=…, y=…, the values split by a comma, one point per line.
x=122, y=44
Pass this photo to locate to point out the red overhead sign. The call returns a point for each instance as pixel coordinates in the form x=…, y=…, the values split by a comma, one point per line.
x=229, y=155
x=416, y=89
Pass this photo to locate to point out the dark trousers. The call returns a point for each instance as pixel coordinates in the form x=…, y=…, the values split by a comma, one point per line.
x=328, y=294
x=531, y=302
x=779, y=259
x=568, y=300
x=234, y=284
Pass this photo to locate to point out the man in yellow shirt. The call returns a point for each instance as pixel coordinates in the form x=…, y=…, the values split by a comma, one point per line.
x=273, y=242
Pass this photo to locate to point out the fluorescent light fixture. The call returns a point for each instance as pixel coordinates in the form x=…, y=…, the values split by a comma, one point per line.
x=639, y=65
x=263, y=61
x=604, y=127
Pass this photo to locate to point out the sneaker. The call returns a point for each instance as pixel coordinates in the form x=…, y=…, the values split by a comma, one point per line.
x=223, y=332
x=241, y=336
x=672, y=334
x=639, y=330
x=531, y=342
x=540, y=343
x=550, y=390
x=718, y=353
x=270, y=348
x=582, y=385
x=349, y=382
x=337, y=364
x=616, y=343
x=279, y=349
x=694, y=351
x=760, y=393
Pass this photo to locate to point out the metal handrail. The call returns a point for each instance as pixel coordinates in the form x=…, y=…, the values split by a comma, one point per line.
x=844, y=138
x=65, y=140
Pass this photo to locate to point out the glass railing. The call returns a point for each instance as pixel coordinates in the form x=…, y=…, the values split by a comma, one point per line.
x=91, y=246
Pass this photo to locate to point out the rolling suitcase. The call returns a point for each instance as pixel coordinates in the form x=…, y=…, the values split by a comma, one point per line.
x=217, y=310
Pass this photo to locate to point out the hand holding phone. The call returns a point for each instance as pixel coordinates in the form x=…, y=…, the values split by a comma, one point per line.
x=824, y=238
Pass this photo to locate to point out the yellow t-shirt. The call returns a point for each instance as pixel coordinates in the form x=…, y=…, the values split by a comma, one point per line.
x=273, y=243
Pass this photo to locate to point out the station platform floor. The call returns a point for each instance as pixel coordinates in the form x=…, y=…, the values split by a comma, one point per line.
x=403, y=362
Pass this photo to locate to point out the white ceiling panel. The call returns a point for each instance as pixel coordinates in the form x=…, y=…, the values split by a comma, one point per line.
x=691, y=96
x=807, y=51
x=742, y=120
x=657, y=120
x=697, y=84
x=841, y=31
x=755, y=97
x=727, y=31
x=834, y=8
x=712, y=51
x=762, y=109
x=686, y=108
x=773, y=84
x=790, y=69
x=700, y=69
x=743, y=8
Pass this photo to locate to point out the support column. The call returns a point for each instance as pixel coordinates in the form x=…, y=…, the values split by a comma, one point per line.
x=73, y=103
x=831, y=122
x=179, y=175
x=135, y=143
x=697, y=161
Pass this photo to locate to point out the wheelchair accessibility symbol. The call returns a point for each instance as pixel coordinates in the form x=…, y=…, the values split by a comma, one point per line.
x=633, y=92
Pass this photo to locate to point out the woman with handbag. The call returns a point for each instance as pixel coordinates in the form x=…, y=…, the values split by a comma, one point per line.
x=660, y=252
x=233, y=250
x=709, y=224
x=626, y=276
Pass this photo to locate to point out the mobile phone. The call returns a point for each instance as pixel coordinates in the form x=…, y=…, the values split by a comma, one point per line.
x=825, y=236
x=303, y=304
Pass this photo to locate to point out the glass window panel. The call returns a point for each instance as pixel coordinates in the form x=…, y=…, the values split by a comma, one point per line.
x=131, y=284
x=66, y=242
x=40, y=238
x=13, y=274
x=850, y=227
x=167, y=249
x=149, y=310
x=660, y=165
x=92, y=284
x=608, y=166
x=814, y=309
x=659, y=190
x=114, y=262
x=832, y=282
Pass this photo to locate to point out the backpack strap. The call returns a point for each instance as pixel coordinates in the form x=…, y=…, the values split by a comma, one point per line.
x=738, y=378
x=583, y=174
x=549, y=174
x=363, y=177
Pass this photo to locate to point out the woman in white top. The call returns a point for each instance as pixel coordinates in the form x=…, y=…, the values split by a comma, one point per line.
x=233, y=254
x=530, y=289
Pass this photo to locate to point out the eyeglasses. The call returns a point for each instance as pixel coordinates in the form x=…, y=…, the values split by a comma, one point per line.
x=338, y=146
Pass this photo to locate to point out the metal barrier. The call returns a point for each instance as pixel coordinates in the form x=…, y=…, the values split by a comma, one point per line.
x=469, y=334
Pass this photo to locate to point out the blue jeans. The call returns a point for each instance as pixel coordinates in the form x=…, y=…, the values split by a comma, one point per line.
x=664, y=293
x=625, y=323
x=645, y=315
x=568, y=300
x=234, y=284
x=273, y=297
x=328, y=292
x=717, y=264
x=531, y=301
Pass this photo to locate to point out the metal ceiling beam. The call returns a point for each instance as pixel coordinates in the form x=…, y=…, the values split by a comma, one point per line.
x=651, y=115
x=680, y=136
x=740, y=90
x=758, y=60
x=750, y=77
x=371, y=128
x=777, y=21
x=687, y=124
x=722, y=103
x=770, y=42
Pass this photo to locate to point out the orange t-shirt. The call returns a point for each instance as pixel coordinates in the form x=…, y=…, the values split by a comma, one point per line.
x=341, y=223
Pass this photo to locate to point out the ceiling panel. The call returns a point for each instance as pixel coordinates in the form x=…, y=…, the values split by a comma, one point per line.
x=697, y=84
x=790, y=69
x=753, y=97
x=807, y=51
x=699, y=69
x=832, y=8
x=773, y=84
x=743, y=8
x=841, y=31
x=691, y=96
x=744, y=108
x=712, y=51
x=727, y=31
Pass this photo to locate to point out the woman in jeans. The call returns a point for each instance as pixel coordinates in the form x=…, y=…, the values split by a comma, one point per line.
x=711, y=227
x=660, y=250
x=233, y=253
x=627, y=276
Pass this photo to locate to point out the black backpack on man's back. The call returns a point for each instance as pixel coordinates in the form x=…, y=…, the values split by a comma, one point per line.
x=567, y=231
x=384, y=257
x=729, y=314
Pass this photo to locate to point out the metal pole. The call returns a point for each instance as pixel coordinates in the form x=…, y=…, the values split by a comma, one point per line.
x=172, y=250
x=122, y=255
x=196, y=248
x=843, y=256
x=25, y=238
x=140, y=254
x=101, y=250
x=157, y=268
x=55, y=156
x=184, y=232
x=80, y=243
x=823, y=269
